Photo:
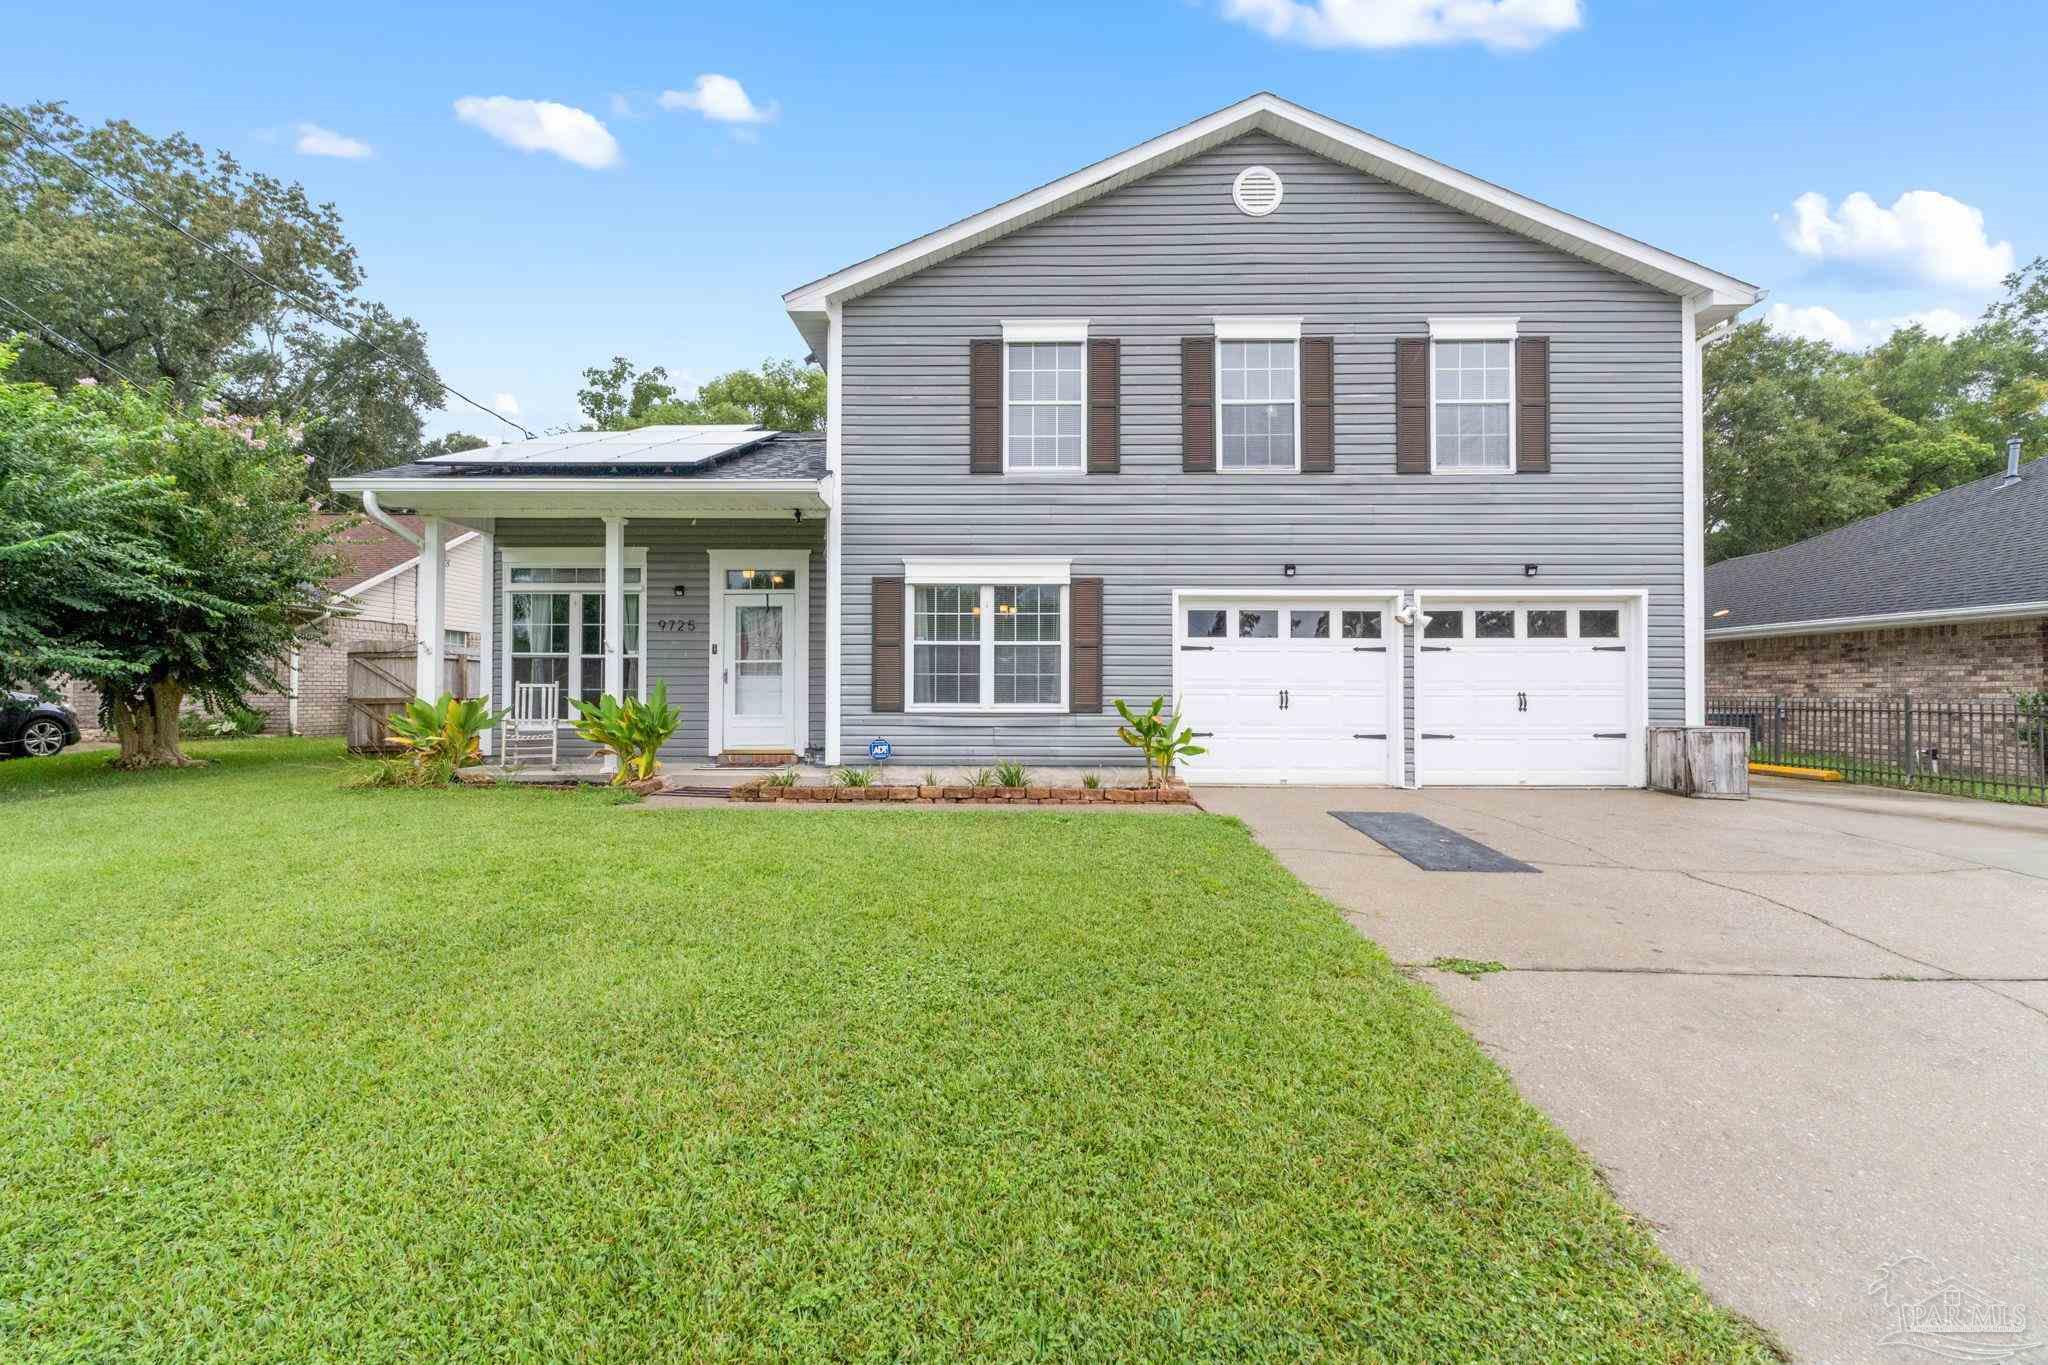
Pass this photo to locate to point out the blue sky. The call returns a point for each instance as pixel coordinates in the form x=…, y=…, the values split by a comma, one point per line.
x=667, y=229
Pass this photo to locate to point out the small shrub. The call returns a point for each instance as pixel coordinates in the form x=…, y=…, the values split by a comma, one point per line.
x=1091, y=780
x=632, y=729
x=931, y=779
x=443, y=732
x=1011, y=775
x=982, y=777
x=1159, y=738
x=855, y=777
x=399, y=772
x=237, y=722
x=785, y=778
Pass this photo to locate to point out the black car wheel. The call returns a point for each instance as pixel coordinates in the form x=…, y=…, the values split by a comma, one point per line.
x=41, y=738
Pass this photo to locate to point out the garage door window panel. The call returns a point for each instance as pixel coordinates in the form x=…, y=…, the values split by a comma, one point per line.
x=1492, y=624
x=1548, y=625
x=1444, y=625
x=1205, y=623
x=1262, y=624
x=1361, y=625
x=1604, y=624
x=1308, y=625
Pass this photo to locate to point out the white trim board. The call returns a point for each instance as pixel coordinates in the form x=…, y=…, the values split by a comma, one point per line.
x=929, y=569
x=1835, y=625
x=1722, y=295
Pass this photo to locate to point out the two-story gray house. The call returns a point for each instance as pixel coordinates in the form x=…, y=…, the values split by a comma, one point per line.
x=1381, y=472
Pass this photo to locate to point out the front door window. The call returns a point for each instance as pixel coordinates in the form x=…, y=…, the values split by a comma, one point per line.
x=757, y=661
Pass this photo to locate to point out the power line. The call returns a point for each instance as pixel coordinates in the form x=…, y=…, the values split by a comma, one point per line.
x=236, y=261
x=68, y=344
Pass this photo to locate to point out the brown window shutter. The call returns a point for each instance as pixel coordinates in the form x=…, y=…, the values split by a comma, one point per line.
x=1198, y=405
x=1532, y=405
x=984, y=407
x=1084, y=651
x=885, y=644
x=1318, y=407
x=1105, y=404
x=1411, y=405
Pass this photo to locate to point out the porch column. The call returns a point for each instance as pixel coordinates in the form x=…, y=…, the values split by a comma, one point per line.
x=615, y=616
x=431, y=610
x=489, y=600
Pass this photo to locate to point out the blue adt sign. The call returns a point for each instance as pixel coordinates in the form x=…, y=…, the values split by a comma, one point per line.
x=880, y=749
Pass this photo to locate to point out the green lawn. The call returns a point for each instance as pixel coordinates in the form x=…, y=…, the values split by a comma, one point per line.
x=294, y=1074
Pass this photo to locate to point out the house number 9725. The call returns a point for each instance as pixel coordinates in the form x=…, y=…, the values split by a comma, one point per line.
x=675, y=623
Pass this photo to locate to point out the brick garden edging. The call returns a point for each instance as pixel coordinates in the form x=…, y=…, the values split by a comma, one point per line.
x=938, y=796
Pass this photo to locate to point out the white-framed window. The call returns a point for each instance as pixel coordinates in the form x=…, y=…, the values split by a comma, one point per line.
x=554, y=619
x=987, y=635
x=1472, y=395
x=1258, y=394
x=1045, y=397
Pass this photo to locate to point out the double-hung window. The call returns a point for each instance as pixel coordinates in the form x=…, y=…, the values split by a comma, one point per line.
x=1472, y=395
x=1045, y=390
x=554, y=614
x=987, y=635
x=1258, y=393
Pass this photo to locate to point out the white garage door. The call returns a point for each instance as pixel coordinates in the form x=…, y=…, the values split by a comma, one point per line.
x=1289, y=691
x=1525, y=693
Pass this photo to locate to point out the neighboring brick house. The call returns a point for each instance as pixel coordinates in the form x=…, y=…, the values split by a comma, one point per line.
x=1945, y=598
x=375, y=600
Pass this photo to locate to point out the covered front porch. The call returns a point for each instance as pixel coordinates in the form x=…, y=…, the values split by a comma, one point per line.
x=606, y=579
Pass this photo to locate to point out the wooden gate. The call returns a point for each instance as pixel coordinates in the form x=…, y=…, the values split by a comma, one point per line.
x=380, y=681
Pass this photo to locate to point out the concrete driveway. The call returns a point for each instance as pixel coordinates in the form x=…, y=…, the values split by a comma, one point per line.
x=1805, y=1036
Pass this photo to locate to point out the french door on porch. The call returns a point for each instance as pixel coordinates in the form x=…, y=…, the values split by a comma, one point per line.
x=558, y=637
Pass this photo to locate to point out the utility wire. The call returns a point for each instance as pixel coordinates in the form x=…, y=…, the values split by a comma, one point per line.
x=68, y=344
x=234, y=259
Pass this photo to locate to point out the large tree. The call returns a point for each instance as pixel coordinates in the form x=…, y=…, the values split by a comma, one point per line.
x=616, y=396
x=79, y=253
x=782, y=395
x=152, y=553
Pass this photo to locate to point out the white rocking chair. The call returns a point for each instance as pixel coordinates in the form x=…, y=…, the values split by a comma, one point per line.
x=535, y=723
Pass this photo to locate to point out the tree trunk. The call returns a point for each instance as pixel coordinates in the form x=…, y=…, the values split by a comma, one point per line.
x=147, y=723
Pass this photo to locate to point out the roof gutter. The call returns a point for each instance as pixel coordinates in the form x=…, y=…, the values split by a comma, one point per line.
x=378, y=514
x=1832, y=625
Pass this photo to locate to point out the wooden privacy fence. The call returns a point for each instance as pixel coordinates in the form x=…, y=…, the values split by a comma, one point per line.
x=1996, y=749
x=380, y=681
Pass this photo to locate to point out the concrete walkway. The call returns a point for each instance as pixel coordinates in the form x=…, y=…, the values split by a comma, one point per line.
x=1804, y=1036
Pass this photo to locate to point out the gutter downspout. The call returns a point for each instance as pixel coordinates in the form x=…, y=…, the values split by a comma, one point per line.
x=377, y=514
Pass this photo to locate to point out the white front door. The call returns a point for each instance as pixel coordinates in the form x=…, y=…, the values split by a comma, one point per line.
x=759, y=675
x=1525, y=693
x=1289, y=690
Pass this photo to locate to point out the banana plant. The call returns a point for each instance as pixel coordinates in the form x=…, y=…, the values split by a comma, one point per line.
x=630, y=728
x=444, y=731
x=1158, y=737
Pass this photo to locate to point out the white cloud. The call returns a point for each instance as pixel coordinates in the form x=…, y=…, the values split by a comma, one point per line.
x=1819, y=323
x=720, y=99
x=506, y=404
x=1498, y=24
x=317, y=141
x=542, y=126
x=1924, y=235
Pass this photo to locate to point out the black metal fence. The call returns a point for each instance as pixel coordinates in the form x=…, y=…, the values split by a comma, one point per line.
x=1992, y=749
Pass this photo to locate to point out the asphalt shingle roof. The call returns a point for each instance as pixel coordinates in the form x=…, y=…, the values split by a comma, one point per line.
x=1979, y=544
x=784, y=455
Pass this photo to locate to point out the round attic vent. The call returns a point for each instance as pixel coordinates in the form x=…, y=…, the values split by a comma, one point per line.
x=1257, y=190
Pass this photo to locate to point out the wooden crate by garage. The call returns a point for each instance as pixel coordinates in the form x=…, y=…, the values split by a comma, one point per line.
x=380, y=681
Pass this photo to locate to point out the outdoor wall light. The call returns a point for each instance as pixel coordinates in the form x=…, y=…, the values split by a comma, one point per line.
x=1528, y=571
x=680, y=590
x=1287, y=570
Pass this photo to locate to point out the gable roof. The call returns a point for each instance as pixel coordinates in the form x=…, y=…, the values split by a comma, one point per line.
x=1976, y=550
x=1720, y=296
x=369, y=551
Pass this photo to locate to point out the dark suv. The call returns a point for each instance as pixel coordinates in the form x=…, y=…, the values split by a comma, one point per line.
x=33, y=728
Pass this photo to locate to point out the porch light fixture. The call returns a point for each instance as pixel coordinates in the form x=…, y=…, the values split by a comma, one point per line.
x=1287, y=571
x=1528, y=571
x=680, y=590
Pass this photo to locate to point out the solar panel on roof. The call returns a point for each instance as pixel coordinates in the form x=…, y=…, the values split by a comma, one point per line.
x=665, y=445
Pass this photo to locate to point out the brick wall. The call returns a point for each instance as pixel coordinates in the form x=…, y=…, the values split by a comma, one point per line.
x=1977, y=659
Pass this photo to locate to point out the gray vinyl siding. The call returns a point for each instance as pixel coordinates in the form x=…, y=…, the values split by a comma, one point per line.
x=677, y=554
x=1359, y=260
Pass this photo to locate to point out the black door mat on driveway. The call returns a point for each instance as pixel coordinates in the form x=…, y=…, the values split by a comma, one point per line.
x=1428, y=845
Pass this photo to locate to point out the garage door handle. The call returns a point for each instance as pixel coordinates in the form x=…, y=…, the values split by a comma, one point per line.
x=1610, y=649
x=1610, y=734
x=1436, y=649
x=1427, y=735
x=1381, y=735
x=1209, y=647
x=1368, y=649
